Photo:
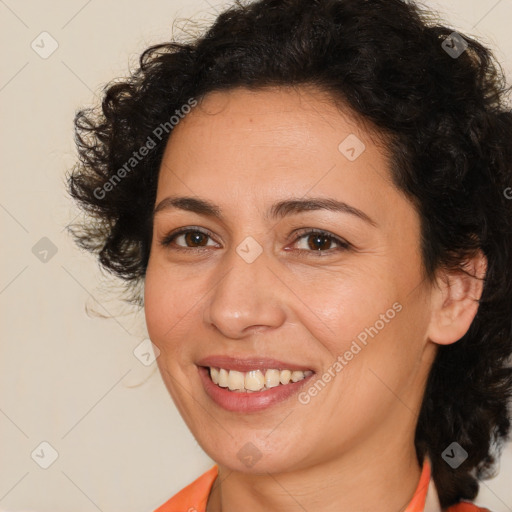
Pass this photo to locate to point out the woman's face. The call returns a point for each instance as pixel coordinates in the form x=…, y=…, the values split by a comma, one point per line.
x=247, y=288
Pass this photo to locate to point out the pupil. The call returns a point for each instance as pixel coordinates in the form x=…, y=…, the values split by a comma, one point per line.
x=318, y=239
x=195, y=237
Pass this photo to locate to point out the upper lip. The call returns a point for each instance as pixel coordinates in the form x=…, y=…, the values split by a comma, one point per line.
x=246, y=364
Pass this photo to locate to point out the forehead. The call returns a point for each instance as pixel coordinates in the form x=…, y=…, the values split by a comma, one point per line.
x=275, y=137
x=246, y=151
x=300, y=119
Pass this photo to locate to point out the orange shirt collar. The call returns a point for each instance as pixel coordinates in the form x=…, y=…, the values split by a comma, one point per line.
x=194, y=497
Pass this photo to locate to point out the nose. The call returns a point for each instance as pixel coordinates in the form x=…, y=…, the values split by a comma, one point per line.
x=247, y=298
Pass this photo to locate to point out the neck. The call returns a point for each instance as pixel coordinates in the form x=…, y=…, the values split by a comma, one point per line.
x=383, y=478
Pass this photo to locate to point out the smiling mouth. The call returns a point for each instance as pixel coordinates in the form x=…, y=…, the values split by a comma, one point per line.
x=255, y=380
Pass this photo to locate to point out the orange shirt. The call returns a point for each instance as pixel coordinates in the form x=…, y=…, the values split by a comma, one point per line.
x=194, y=497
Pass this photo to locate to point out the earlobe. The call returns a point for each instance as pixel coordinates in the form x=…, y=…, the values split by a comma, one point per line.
x=455, y=300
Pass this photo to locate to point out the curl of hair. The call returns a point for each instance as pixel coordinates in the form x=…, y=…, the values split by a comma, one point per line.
x=449, y=136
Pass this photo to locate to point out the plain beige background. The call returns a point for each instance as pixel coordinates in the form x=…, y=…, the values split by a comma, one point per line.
x=66, y=378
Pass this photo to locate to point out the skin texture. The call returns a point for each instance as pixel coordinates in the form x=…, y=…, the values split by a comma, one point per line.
x=352, y=446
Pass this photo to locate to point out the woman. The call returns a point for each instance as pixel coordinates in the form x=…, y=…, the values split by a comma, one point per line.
x=314, y=197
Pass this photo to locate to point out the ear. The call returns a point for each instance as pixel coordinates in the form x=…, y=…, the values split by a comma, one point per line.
x=455, y=300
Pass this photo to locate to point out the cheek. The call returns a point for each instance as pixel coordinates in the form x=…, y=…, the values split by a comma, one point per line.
x=156, y=304
x=168, y=303
x=343, y=305
x=369, y=332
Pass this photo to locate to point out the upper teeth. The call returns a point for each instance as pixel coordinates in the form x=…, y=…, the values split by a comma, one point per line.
x=255, y=380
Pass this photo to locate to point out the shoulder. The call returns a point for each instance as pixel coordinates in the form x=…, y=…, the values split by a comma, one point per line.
x=193, y=497
x=466, y=506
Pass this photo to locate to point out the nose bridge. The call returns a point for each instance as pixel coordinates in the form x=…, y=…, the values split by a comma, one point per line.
x=246, y=295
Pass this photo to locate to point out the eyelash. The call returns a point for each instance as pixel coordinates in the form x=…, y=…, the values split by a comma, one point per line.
x=342, y=244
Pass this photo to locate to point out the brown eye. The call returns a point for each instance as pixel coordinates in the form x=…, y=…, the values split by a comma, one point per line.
x=319, y=242
x=316, y=241
x=195, y=237
x=187, y=239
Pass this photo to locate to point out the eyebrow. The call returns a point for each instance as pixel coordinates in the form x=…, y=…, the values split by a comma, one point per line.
x=278, y=210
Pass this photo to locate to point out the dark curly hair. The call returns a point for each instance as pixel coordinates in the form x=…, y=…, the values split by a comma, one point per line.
x=449, y=130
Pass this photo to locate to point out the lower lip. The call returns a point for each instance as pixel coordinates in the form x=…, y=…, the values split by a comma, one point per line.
x=248, y=402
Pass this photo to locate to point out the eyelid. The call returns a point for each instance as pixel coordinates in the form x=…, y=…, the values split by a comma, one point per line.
x=166, y=240
x=297, y=235
x=342, y=243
